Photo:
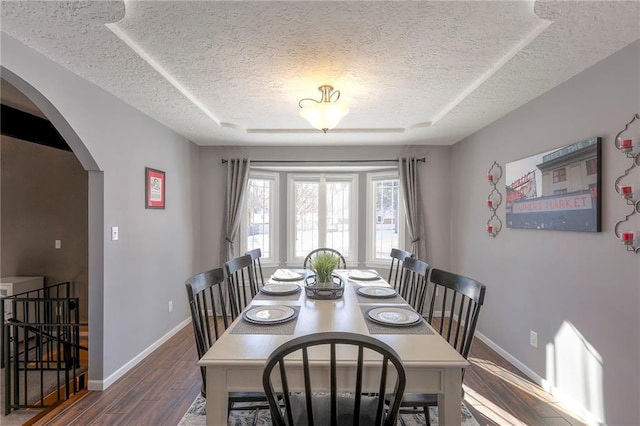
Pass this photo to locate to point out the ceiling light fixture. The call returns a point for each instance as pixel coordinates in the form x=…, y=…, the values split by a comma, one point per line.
x=324, y=114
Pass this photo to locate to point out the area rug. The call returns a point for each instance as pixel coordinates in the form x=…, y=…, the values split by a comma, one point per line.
x=196, y=416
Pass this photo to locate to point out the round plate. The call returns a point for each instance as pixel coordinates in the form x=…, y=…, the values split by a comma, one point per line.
x=270, y=314
x=377, y=292
x=286, y=275
x=364, y=275
x=390, y=315
x=280, y=289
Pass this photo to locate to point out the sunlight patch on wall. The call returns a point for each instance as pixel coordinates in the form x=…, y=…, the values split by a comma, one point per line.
x=574, y=373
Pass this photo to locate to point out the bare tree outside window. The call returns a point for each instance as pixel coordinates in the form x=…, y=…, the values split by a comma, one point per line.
x=258, y=215
x=306, y=216
x=386, y=193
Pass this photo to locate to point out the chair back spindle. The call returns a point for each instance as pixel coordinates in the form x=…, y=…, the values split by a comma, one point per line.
x=241, y=283
x=413, y=287
x=256, y=254
x=395, y=271
x=342, y=264
x=311, y=409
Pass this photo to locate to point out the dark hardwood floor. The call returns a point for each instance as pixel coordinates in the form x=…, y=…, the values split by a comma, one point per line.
x=160, y=389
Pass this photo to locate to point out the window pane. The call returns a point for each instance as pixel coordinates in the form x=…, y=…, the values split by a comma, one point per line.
x=306, y=217
x=338, y=216
x=258, y=207
x=386, y=217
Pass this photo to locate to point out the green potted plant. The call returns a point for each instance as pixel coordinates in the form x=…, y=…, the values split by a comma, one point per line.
x=323, y=265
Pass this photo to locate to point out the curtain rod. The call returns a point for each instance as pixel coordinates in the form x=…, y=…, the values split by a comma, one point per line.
x=422, y=160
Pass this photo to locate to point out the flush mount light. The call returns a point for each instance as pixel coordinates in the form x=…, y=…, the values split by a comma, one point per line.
x=324, y=114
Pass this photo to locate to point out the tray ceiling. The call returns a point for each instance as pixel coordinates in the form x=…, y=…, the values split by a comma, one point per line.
x=231, y=73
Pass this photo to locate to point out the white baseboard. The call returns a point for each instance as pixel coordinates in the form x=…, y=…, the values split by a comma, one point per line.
x=100, y=385
x=512, y=360
x=563, y=399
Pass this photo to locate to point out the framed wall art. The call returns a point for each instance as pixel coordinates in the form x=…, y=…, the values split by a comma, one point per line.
x=556, y=190
x=154, y=181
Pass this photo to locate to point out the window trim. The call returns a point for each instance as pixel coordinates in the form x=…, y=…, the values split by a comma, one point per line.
x=370, y=260
x=274, y=222
x=559, y=175
x=322, y=179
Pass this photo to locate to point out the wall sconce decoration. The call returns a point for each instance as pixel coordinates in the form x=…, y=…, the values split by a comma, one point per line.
x=324, y=114
x=627, y=230
x=494, y=200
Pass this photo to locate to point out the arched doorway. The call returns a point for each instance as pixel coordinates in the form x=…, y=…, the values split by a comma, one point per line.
x=95, y=214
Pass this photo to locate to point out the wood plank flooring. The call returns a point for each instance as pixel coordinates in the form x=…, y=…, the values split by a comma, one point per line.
x=160, y=389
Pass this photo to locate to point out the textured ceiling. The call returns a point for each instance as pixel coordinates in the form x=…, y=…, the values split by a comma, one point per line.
x=415, y=72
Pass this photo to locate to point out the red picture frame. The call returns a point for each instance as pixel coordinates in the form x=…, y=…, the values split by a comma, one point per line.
x=154, y=183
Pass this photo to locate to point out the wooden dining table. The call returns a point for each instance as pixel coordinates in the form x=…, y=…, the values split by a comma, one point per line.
x=235, y=362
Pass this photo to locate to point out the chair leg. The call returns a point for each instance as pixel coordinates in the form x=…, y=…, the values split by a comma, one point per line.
x=427, y=417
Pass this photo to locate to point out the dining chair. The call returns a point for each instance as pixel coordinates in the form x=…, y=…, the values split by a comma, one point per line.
x=209, y=316
x=457, y=301
x=256, y=254
x=319, y=405
x=241, y=283
x=413, y=286
x=342, y=264
x=395, y=271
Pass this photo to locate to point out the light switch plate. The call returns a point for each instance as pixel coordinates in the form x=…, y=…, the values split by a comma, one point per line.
x=58, y=244
x=114, y=233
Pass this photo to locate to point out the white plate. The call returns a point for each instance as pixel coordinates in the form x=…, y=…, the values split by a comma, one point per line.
x=390, y=315
x=364, y=275
x=378, y=292
x=286, y=275
x=280, y=289
x=270, y=314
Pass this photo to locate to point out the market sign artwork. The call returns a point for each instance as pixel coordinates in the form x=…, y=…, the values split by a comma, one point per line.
x=556, y=190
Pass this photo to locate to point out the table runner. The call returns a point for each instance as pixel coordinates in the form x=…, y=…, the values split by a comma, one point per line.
x=378, y=300
x=271, y=297
x=375, y=328
x=246, y=327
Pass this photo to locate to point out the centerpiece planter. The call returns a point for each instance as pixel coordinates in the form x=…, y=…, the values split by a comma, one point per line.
x=324, y=284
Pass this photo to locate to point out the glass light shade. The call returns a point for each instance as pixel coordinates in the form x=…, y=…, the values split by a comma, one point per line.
x=323, y=115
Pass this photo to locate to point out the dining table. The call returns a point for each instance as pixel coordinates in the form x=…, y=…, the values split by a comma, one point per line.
x=235, y=362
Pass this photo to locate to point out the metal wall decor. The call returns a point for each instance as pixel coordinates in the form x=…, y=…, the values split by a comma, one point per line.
x=494, y=224
x=627, y=230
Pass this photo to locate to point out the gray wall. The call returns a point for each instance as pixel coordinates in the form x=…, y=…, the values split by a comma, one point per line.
x=433, y=173
x=579, y=291
x=130, y=280
x=44, y=198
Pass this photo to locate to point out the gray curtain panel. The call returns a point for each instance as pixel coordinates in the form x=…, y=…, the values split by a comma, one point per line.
x=237, y=179
x=412, y=205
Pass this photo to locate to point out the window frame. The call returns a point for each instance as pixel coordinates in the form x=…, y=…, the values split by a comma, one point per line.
x=274, y=222
x=322, y=179
x=370, y=260
x=560, y=175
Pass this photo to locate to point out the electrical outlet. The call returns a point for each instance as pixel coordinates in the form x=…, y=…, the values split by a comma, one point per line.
x=533, y=338
x=170, y=305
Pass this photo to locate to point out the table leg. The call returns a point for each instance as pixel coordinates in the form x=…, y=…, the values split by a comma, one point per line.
x=217, y=397
x=449, y=401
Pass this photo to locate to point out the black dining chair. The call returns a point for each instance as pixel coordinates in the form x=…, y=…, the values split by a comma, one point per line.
x=457, y=300
x=395, y=271
x=256, y=254
x=209, y=316
x=342, y=264
x=303, y=403
x=413, y=286
x=241, y=283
